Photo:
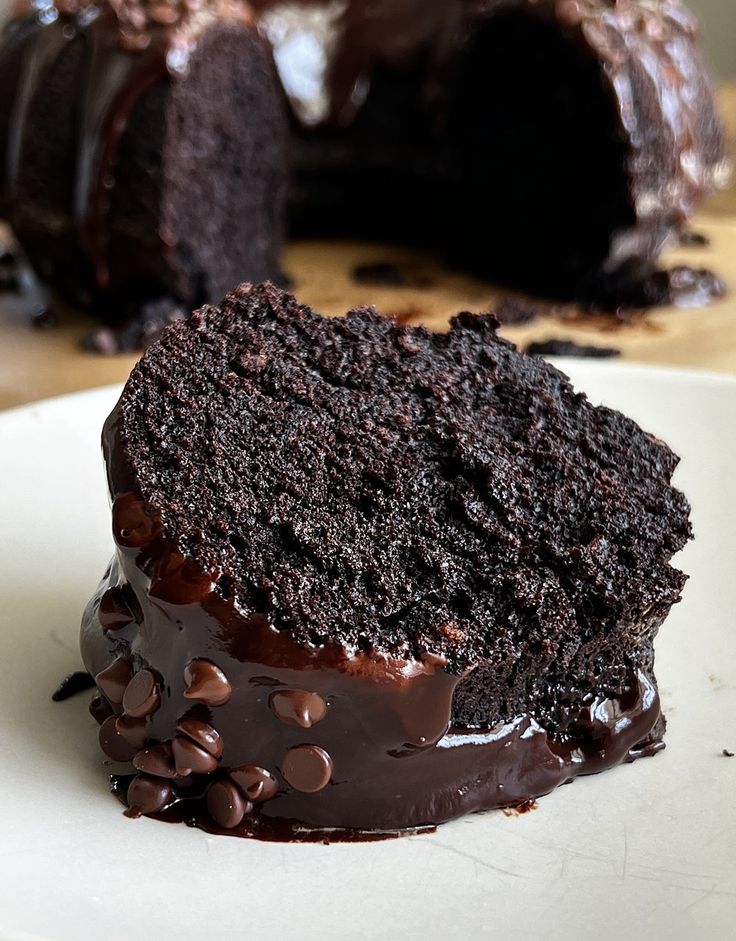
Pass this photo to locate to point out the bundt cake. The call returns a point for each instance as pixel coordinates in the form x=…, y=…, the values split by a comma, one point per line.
x=371, y=578
x=555, y=145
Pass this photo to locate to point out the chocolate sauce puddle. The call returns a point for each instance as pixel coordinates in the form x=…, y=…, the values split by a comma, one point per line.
x=191, y=812
x=72, y=684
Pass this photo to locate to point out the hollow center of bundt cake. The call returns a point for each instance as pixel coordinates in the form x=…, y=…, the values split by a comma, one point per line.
x=539, y=154
x=385, y=487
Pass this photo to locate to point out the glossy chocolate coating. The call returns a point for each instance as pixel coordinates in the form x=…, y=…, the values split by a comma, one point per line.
x=238, y=767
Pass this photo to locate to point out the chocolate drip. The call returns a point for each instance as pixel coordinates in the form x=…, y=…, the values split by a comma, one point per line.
x=650, y=70
x=116, y=80
x=657, y=44
x=50, y=42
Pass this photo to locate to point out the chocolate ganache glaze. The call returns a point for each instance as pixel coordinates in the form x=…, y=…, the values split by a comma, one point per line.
x=233, y=726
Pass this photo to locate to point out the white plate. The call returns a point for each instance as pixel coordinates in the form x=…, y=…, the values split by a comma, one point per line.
x=644, y=851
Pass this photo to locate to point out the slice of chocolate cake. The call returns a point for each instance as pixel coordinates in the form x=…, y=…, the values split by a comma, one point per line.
x=143, y=150
x=370, y=577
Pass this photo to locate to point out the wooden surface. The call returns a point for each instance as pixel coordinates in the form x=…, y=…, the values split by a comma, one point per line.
x=39, y=363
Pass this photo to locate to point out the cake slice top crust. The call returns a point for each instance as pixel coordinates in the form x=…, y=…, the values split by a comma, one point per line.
x=394, y=490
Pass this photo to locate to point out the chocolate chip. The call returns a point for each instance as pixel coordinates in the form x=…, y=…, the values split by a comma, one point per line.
x=190, y=758
x=298, y=707
x=114, y=612
x=148, y=795
x=112, y=742
x=114, y=680
x=156, y=760
x=226, y=804
x=142, y=695
x=100, y=709
x=133, y=528
x=256, y=783
x=202, y=734
x=307, y=768
x=206, y=682
x=132, y=730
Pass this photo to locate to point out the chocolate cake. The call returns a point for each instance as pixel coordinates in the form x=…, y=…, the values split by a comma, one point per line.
x=143, y=149
x=556, y=145
x=371, y=578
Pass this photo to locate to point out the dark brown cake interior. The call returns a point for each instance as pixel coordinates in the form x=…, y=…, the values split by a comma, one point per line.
x=387, y=488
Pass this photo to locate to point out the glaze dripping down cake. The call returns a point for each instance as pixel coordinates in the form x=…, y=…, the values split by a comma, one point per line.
x=555, y=145
x=368, y=577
